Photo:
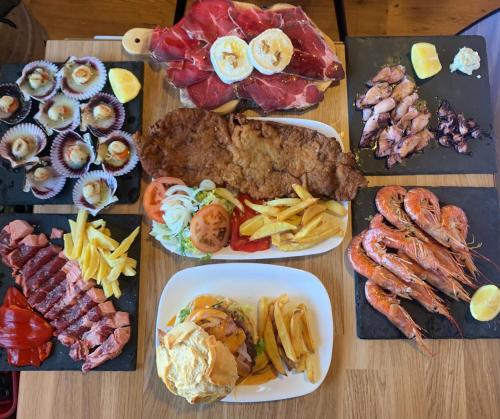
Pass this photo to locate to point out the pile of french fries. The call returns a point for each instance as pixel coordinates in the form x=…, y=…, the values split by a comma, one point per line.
x=100, y=256
x=295, y=223
x=288, y=342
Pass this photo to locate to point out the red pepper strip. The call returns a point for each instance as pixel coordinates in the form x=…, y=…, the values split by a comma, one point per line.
x=22, y=329
x=14, y=297
x=32, y=356
x=243, y=243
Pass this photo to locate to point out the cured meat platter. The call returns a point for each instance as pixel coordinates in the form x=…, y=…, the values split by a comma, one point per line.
x=469, y=95
x=12, y=180
x=59, y=358
x=481, y=207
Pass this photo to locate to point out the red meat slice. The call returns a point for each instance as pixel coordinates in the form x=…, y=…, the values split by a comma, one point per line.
x=12, y=233
x=210, y=93
x=72, y=313
x=254, y=20
x=38, y=280
x=110, y=349
x=184, y=73
x=56, y=233
x=27, y=248
x=37, y=296
x=172, y=44
x=279, y=91
x=312, y=57
x=54, y=296
x=206, y=20
x=42, y=257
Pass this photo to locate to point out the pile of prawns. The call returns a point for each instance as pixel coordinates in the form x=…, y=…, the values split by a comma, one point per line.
x=430, y=250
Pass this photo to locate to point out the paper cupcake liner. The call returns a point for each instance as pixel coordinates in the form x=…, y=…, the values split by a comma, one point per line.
x=12, y=89
x=61, y=127
x=94, y=175
x=22, y=130
x=95, y=85
x=134, y=157
x=49, y=188
x=57, y=150
x=92, y=126
x=26, y=88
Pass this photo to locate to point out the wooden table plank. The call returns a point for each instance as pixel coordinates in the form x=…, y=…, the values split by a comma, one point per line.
x=366, y=379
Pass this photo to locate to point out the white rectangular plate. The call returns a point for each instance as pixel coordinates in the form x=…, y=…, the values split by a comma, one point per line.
x=272, y=253
x=247, y=283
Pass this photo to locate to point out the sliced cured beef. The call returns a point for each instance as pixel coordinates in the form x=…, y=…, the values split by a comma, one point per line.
x=43, y=256
x=173, y=43
x=33, y=283
x=12, y=234
x=27, y=248
x=312, y=57
x=184, y=73
x=206, y=20
x=279, y=91
x=53, y=297
x=254, y=20
x=110, y=349
x=38, y=295
x=210, y=93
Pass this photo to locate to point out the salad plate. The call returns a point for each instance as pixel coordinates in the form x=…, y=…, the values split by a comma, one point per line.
x=247, y=283
x=273, y=252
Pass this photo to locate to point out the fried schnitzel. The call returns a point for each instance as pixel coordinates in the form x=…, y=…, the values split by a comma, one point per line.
x=262, y=159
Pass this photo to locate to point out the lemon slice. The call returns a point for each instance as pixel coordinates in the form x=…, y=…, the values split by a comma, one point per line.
x=425, y=60
x=124, y=84
x=485, y=303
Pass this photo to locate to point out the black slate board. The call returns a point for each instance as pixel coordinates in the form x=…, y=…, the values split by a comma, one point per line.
x=481, y=207
x=467, y=94
x=121, y=226
x=12, y=180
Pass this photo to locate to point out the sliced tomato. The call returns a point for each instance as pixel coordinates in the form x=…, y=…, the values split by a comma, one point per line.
x=243, y=243
x=154, y=195
x=210, y=228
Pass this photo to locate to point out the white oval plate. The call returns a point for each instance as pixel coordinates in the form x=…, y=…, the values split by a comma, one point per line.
x=272, y=253
x=247, y=283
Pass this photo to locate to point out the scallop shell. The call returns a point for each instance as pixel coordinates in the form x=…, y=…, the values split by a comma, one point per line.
x=82, y=91
x=44, y=189
x=12, y=89
x=46, y=92
x=102, y=155
x=37, y=137
x=60, y=143
x=63, y=125
x=109, y=183
x=102, y=128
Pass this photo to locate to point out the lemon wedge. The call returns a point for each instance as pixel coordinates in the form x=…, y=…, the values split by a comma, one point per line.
x=485, y=303
x=124, y=84
x=425, y=60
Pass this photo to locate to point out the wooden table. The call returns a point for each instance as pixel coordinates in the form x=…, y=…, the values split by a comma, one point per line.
x=366, y=378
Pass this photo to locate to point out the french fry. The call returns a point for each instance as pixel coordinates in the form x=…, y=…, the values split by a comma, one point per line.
x=68, y=245
x=335, y=207
x=283, y=332
x=276, y=239
x=301, y=192
x=125, y=244
x=262, y=312
x=92, y=262
x=261, y=361
x=310, y=226
x=312, y=212
x=283, y=202
x=297, y=333
x=104, y=269
x=227, y=195
x=116, y=289
x=101, y=239
x=294, y=246
x=272, y=347
x=295, y=220
x=107, y=288
x=319, y=237
x=262, y=209
x=98, y=223
x=115, y=272
x=311, y=368
x=251, y=225
x=79, y=233
x=272, y=228
x=283, y=215
x=301, y=364
x=267, y=374
x=307, y=331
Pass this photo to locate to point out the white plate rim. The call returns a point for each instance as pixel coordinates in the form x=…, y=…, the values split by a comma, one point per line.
x=273, y=253
x=326, y=329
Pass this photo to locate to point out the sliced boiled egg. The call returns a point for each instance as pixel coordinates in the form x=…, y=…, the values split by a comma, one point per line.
x=229, y=56
x=271, y=51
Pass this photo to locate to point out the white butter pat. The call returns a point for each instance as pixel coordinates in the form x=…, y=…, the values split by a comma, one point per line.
x=229, y=56
x=467, y=60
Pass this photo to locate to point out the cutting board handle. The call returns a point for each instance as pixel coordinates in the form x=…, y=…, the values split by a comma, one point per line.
x=136, y=41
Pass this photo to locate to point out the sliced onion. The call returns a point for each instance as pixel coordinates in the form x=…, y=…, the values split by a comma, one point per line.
x=206, y=185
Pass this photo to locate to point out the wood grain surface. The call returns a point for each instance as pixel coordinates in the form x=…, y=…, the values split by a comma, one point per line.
x=367, y=379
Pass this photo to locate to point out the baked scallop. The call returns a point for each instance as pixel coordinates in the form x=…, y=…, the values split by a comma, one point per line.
x=22, y=144
x=102, y=115
x=117, y=153
x=72, y=154
x=95, y=191
x=14, y=105
x=40, y=80
x=82, y=78
x=60, y=114
x=43, y=180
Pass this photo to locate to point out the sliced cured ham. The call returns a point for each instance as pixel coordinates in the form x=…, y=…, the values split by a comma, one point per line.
x=171, y=44
x=184, y=73
x=279, y=91
x=210, y=93
x=254, y=20
x=312, y=58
